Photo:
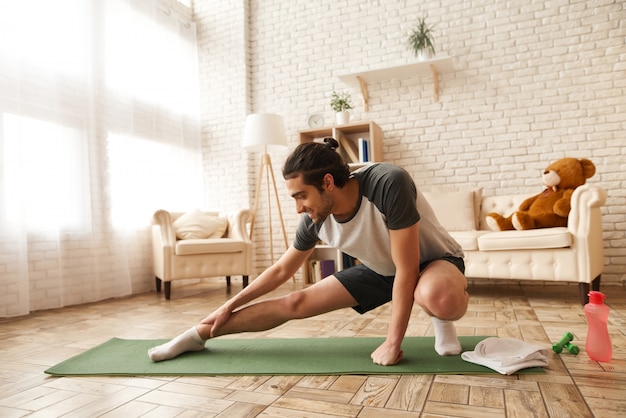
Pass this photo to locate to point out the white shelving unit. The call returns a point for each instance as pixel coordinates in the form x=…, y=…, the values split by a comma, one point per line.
x=348, y=136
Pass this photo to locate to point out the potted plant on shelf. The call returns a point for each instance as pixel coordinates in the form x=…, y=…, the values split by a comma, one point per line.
x=341, y=103
x=421, y=40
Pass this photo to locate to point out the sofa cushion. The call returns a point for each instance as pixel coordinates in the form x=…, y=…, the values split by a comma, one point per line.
x=209, y=246
x=468, y=240
x=543, y=238
x=200, y=225
x=456, y=210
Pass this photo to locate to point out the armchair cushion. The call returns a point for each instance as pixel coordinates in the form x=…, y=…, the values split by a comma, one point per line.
x=200, y=225
x=210, y=246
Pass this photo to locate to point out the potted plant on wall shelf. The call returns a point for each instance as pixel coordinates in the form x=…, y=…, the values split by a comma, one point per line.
x=341, y=103
x=422, y=41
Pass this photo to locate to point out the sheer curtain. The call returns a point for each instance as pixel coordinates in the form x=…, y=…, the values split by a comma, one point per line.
x=99, y=127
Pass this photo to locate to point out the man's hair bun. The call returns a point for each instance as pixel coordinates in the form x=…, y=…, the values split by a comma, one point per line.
x=313, y=160
x=331, y=143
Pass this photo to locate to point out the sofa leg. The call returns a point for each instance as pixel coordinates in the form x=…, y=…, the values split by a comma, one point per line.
x=245, y=281
x=228, y=281
x=595, y=284
x=583, y=290
x=158, y=284
x=168, y=290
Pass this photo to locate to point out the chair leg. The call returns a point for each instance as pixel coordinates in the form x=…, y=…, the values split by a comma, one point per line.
x=228, y=281
x=158, y=284
x=168, y=290
x=245, y=281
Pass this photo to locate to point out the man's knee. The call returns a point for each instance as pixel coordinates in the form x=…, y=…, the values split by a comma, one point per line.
x=294, y=304
x=442, y=302
x=457, y=306
x=442, y=292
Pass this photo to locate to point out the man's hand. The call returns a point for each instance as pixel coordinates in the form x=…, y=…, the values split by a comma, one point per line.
x=216, y=319
x=387, y=354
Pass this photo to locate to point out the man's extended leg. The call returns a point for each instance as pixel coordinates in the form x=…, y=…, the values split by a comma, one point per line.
x=442, y=292
x=324, y=296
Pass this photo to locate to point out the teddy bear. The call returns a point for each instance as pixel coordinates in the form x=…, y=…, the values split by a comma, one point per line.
x=552, y=206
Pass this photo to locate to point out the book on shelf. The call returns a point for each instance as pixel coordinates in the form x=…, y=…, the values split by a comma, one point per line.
x=327, y=268
x=320, y=269
x=364, y=152
x=313, y=266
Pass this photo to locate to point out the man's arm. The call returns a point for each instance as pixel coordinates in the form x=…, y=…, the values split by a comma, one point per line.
x=275, y=275
x=405, y=255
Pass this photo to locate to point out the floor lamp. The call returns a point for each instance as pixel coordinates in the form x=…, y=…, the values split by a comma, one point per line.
x=262, y=131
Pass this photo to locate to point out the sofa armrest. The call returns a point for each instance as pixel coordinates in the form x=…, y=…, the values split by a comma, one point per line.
x=585, y=224
x=586, y=202
x=237, y=224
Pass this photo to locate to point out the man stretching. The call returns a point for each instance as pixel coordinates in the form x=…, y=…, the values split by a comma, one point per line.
x=374, y=214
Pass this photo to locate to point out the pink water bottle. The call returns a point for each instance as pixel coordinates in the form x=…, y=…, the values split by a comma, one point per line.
x=598, y=341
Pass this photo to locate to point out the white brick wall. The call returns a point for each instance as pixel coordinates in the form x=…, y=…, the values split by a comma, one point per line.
x=223, y=70
x=532, y=83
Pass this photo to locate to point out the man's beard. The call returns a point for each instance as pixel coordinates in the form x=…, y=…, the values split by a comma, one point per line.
x=326, y=209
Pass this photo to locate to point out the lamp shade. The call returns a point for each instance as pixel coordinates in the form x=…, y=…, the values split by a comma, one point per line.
x=263, y=130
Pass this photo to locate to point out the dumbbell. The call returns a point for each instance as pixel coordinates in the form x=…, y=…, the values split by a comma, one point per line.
x=565, y=342
x=567, y=338
x=572, y=348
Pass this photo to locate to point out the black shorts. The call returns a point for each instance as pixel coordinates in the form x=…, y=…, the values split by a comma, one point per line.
x=372, y=290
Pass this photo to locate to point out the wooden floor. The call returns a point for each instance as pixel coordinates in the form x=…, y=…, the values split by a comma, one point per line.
x=573, y=386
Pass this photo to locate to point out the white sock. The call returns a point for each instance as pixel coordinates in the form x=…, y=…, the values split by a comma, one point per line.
x=446, y=342
x=189, y=340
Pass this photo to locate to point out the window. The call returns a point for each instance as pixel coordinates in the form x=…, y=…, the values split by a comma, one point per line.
x=148, y=175
x=98, y=106
x=46, y=160
x=99, y=127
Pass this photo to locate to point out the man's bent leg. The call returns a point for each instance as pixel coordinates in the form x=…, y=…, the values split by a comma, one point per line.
x=324, y=296
x=442, y=292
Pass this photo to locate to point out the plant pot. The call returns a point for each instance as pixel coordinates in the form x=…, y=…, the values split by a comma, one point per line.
x=424, y=55
x=342, y=117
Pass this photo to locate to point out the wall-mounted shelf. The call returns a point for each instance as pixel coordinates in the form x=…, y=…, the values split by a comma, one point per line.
x=434, y=66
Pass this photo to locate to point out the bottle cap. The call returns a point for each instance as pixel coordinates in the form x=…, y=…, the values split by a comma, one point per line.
x=597, y=298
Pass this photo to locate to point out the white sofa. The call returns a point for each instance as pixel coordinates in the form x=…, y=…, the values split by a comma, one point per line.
x=566, y=254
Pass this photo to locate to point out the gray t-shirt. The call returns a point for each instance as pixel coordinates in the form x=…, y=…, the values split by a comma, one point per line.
x=389, y=200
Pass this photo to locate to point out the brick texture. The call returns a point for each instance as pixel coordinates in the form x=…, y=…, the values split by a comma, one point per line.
x=531, y=84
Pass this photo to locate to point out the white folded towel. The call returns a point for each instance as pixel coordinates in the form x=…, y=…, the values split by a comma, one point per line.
x=507, y=355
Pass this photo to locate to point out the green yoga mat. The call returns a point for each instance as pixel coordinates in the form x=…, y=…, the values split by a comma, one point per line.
x=297, y=356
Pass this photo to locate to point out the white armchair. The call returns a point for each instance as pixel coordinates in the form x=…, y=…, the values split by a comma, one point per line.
x=224, y=253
